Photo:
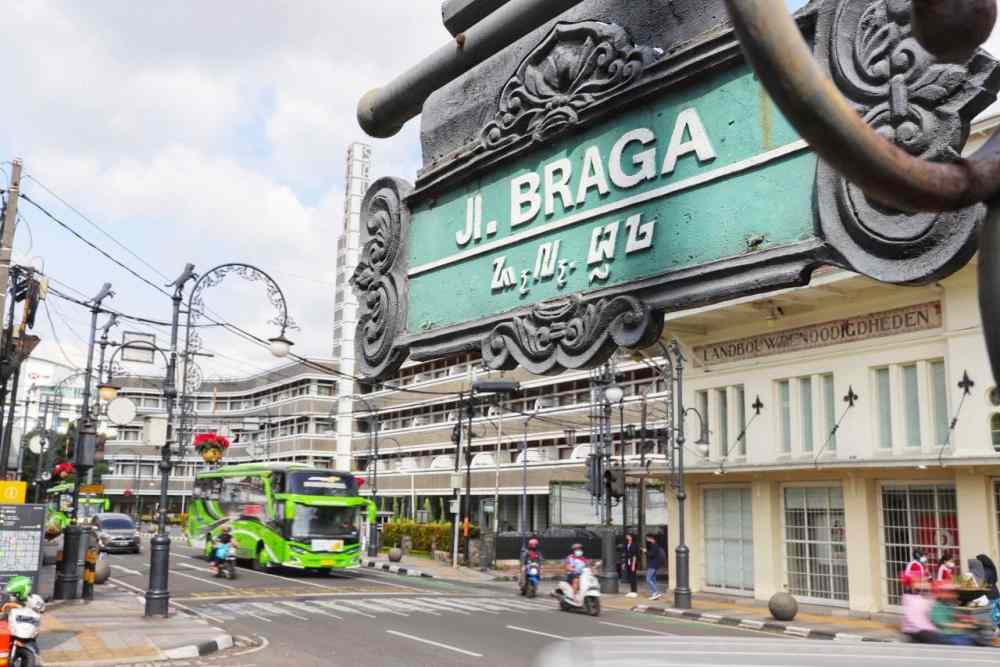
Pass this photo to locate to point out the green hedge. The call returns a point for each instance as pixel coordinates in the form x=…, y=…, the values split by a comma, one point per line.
x=422, y=534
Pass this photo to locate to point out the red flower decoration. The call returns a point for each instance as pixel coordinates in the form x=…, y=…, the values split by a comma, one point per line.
x=63, y=470
x=204, y=440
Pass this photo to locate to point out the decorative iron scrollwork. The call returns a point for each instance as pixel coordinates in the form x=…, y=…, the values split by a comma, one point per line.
x=575, y=67
x=379, y=279
x=570, y=333
x=923, y=107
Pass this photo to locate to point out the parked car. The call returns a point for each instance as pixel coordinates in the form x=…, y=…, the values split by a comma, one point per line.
x=117, y=532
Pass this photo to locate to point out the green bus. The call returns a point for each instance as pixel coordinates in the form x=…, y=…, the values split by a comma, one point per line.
x=60, y=503
x=282, y=514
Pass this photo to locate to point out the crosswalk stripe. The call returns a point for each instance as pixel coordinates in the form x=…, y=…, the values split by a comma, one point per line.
x=275, y=609
x=487, y=605
x=452, y=602
x=372, y=606
x=436, y=604
x=310, y=609
x=336, y=607
x=418, y=605
x=408, y=606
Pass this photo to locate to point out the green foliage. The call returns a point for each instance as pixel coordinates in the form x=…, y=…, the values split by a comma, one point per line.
x=427, y=508
x=424, y=535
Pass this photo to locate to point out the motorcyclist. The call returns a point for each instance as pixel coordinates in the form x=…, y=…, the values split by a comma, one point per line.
x=532, y=553
x=15, y=593
x=575, y=564
x=223, y=538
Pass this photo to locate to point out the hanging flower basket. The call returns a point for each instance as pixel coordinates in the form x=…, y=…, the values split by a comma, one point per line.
x=63, y=470
x=211, y=446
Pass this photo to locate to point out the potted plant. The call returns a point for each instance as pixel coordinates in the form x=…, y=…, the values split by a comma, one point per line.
x=211, y=446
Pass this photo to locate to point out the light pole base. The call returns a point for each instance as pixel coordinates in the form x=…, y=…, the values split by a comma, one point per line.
x=158, y=596
x=373, y=541
x=68, y=571
x=609, y=578
x=682, y=593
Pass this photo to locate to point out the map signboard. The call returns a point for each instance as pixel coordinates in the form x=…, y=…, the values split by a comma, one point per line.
x=22, y=529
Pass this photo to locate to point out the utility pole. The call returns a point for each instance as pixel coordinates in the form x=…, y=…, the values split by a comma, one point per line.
x=9, y=223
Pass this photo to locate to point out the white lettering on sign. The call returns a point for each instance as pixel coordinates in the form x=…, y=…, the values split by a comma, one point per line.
x=601, y=252
x=524, y=191
x=687, y=121
x=473, y=230
x=645, y=160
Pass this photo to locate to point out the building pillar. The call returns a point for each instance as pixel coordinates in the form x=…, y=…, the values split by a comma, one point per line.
x=865, y=558
x=768, y=569
x=976, y=516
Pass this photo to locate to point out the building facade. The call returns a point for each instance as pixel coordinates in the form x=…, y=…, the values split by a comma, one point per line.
x=356, y=180
x=285, y=414
x=847, y=424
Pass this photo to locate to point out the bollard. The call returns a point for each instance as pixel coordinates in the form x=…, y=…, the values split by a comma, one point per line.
x=89, y=572
x=102, y=571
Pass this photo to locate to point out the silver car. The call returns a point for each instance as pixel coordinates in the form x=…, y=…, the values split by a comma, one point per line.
x=117, y=532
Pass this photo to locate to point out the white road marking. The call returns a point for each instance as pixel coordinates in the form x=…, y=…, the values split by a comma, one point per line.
x=204, y=581
x=632, y=627
x=535, y=632
x=436, y=604
x=433, y=643
x=257, y=616
x=372, y=606
x=405, y=606
x=460, y=604
x=342, y=609
x=278, y=611
x=424, y=608
x=134, y=573
x=310, y=609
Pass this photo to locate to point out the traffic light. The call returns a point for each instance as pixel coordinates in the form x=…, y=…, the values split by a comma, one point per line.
x=594, y=477
x=616, y=482
x=456, y=433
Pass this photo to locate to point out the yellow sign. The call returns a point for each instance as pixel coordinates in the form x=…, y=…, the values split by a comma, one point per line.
x=13, y=493
x=95, y=489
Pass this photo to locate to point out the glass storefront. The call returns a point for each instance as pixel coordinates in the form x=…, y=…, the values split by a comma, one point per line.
x=728, y=539
x=815, y=548
x=915, y=516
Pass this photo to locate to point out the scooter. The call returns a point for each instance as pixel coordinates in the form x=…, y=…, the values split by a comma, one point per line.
x=531, y=576
x=588, y=599
x=19, y=634
x=225, y=567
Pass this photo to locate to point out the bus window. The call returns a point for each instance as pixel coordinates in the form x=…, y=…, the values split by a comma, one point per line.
x=323, y=522
x=321, y=484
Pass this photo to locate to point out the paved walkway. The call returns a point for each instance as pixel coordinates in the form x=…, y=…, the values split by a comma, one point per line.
x=112, y=630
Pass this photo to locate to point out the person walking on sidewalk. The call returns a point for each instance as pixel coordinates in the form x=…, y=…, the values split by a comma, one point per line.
x=655, y=558
x=630, y=563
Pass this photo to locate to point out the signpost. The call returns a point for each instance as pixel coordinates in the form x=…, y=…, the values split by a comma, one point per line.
x=602, y=175
x=22, y=530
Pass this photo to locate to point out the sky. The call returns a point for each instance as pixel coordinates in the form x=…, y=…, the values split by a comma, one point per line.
x=214, y=132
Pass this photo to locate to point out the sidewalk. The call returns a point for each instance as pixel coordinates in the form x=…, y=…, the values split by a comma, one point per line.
x=706, y=608
x=111, y=630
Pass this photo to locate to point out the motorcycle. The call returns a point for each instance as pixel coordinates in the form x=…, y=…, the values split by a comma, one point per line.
x=225, y=566
x=587, y=600
x=19, y=633
x=531, y=576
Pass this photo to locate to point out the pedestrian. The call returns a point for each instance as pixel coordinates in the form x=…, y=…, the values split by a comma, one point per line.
x=946, y=571
x=630, y=564
x=655, y=559
x=917, y=606
x=916, y=569
x=992, y=594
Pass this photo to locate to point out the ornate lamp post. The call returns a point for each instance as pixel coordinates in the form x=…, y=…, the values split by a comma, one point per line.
x=373, y=448
x=158, y=596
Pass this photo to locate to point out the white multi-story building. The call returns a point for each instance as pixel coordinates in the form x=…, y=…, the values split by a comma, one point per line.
x=285, y=414
x=357, y=177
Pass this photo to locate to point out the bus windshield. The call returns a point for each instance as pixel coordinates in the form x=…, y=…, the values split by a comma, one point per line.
x=321, y=484
x=323, y=522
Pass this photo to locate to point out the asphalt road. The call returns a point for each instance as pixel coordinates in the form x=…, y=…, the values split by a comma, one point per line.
x=366, y=618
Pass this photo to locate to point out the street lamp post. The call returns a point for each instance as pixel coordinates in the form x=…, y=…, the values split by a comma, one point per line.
x=373, y=448
x=540, y=404
x=67, y=574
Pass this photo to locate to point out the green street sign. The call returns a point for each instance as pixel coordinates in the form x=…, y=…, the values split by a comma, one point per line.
x=581, y=182
x=706, y=173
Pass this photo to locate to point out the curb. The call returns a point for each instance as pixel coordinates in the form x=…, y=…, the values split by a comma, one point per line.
x=220, y=643
x=773, y=627
x=397, y=569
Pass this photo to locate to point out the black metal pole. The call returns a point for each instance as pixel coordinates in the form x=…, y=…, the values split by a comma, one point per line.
x=641, y=517
x=468, y=478
x=621, y=441
x=682, y=591
x=8, y=429
x=606, y=436
x=67, y=577
x=158, y=595
x=7, y=356
x=524, y=487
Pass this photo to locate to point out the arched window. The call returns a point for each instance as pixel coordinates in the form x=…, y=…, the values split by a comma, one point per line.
x=995, y=430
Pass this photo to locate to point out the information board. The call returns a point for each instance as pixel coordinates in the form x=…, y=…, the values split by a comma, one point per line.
x=22, y=529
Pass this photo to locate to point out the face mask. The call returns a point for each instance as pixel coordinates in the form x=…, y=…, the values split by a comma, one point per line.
x=578, y=553
x=923, y=559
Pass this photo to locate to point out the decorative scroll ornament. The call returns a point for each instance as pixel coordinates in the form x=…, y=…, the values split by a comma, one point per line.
x=575, y=67
x=925, y=108
x=570, y=333
x=379, y=279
